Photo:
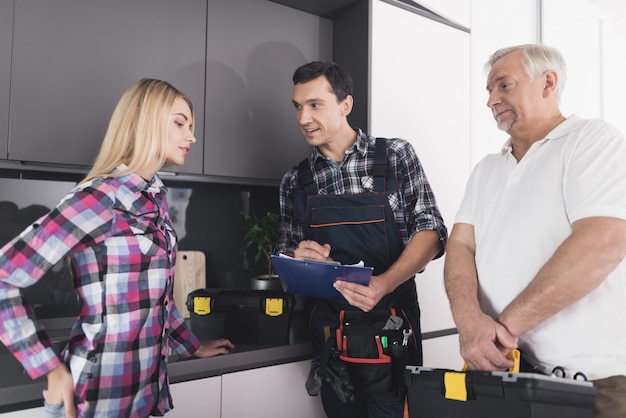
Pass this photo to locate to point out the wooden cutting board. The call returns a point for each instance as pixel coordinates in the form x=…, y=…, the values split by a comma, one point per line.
x=189, y=275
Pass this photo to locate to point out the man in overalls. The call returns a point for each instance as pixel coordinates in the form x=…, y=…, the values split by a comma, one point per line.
x=356, y=198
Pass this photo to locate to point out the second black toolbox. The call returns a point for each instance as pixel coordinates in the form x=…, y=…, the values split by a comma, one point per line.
x=440, y=393
x=243, y=316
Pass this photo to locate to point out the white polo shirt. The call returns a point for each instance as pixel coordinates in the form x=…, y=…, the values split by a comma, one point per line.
x=521, y=213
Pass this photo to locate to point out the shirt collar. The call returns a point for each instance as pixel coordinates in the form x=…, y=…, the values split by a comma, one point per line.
x=563, y=129
x=569, y=125
x=362, y=142
x=360, y=145
x=137, y=183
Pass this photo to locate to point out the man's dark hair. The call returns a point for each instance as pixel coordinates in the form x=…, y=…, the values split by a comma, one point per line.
x=338, y=78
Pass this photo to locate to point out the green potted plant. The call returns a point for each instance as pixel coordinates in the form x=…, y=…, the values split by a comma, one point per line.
x=262, y=235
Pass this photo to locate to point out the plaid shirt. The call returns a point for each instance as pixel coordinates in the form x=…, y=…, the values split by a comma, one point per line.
x=414, y=206
x=120, y=240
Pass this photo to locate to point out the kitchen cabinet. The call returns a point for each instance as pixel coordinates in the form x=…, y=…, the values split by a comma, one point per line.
x=273, y=391
x=421, y=92
x=197, y=398
x=71, y=62
x=6, y=32
x=276, y=391
x=457, y=11
x=250, y=126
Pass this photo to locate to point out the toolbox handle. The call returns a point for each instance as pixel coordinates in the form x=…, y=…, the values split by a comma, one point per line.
x=512, y=355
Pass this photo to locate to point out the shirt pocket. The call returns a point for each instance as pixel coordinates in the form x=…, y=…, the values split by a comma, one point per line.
x=148, y=237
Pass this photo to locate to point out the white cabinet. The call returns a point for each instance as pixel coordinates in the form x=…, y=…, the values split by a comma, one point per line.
x=197, y=398
x=276, y=392
x=457, y=11
x=26, y=413
x=420, y=91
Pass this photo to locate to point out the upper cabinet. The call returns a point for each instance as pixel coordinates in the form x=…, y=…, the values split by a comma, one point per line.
x=253, y=48
x=6, y=30
x=71, y=62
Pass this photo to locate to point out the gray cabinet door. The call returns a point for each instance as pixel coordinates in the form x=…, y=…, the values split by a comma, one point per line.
x=6, y=30
x=72, y=60
x=253, y=48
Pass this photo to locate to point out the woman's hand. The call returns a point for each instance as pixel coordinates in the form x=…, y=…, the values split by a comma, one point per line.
x=61, y=390
x=214, y=347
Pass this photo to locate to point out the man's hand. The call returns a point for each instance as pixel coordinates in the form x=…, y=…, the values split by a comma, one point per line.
x=214, y=347
x=312, y=250
x=363, y=297
x=61, y=390
x=485, y=344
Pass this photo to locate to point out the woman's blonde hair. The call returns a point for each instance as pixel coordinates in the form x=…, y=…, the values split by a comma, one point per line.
x=137, y=133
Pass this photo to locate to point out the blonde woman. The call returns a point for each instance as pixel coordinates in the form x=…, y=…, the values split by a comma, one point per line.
x=115, y=228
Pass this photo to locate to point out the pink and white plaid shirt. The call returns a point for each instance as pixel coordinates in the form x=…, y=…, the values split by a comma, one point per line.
x=120, y=239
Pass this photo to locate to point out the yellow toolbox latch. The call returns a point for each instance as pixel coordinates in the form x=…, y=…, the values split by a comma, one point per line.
x=512, y=355
x=454, y=383
x=273, y=306
x=515, y=356
x=202, y=305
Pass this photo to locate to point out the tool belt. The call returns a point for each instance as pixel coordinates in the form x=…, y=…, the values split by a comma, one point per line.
x=366, y=356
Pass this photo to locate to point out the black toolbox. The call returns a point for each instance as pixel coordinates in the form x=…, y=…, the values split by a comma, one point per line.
x=440, y=393
x=243, y=316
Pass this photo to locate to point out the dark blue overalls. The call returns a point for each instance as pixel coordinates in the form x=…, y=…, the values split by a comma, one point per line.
x=359, y=227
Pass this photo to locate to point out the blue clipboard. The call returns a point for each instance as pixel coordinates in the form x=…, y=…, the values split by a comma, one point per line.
x=315, y=278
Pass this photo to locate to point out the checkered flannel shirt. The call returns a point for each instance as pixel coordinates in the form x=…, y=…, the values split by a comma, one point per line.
x=120, y=240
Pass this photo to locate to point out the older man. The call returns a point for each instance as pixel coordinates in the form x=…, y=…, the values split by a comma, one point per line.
x=535, y=258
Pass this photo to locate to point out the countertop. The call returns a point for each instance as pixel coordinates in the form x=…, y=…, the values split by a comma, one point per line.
x=244, y=357
x=18, y=391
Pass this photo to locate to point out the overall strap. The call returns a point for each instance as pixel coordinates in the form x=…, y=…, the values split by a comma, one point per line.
x=306, y=187
x=305, y=177
x=384, y=179
x=380, y=165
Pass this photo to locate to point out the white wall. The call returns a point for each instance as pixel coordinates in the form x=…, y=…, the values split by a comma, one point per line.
x=577, y=37
x=589, y=38
x=593, y=48
x=495, y=24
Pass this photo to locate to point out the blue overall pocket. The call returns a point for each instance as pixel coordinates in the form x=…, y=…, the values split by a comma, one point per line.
x=357, y=227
